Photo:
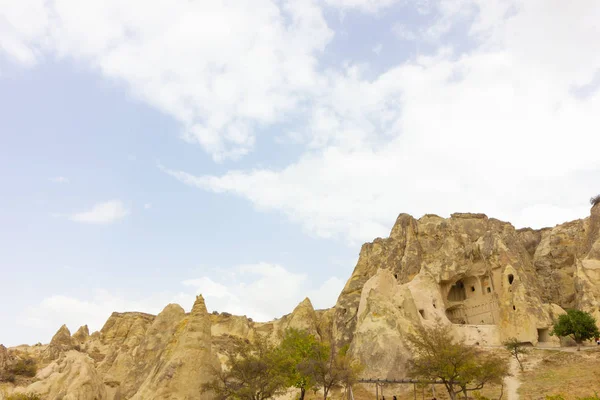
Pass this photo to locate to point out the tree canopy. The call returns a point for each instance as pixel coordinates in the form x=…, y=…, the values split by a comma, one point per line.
x=461, y=368
x=576, y=324
x=253, y=372
x=297, y=348
x=330, y=368
x=258, y=370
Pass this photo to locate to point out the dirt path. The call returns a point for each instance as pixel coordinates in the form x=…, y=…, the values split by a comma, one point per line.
x=512, y=383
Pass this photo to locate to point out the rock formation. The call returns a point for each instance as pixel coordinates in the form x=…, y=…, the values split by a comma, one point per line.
x=82, y=334
x=5, y=359
x=61, y=342
x=481, y=276
x=72, y=377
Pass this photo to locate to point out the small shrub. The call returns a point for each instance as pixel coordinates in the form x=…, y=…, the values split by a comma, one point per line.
x=7, y=377
x=595, y=200
x=594, y=397
x=555, y=397
x=24, y=396
x=24, y=367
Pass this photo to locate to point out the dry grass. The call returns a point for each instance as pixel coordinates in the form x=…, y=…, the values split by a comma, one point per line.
x=402, y=392
x=570, y=374
x=547, y=372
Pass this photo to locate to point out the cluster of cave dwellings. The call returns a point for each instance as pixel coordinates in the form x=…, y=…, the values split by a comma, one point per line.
x=472, y=300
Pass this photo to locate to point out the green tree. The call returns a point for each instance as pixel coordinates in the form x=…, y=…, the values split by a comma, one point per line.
x=253, y=372
x=330, y=368
x=516, y=349
x=461, y=368
x=297, y=348
x=576, y=324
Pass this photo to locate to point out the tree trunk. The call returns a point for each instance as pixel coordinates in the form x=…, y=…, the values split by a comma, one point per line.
x=519, y=361
x=302, y=393
x=578, y=346
x=451, y=392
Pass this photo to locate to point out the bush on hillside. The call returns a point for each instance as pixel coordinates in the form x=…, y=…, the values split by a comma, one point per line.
x=25, y=367
x=595, y=200
x=7, y=377
x=24, y=396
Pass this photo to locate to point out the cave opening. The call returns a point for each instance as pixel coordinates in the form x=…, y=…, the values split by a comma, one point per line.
x=457, y=292
x=511, y=278
x=543, y=335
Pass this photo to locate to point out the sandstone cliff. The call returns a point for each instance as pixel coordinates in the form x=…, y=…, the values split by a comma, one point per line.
x=483, y=277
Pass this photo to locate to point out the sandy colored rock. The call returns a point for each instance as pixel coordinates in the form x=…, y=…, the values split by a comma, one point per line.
x=61, y=342
x=227, y=324
x=187, y=361
x=73, y=377
x=478, y=275
x=82, y=334
x=148, y=354
x=5, y=358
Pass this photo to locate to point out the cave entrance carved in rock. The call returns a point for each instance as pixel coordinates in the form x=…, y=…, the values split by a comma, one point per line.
x=471, y=300
x=543, y=335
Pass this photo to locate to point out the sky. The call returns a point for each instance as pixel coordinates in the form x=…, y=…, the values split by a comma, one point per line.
x=154, y=150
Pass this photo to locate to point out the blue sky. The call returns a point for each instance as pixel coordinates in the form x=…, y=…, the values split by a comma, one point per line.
x=153, y=151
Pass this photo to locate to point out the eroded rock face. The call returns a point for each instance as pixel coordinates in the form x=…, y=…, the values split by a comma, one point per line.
x=72, y=377
x=127, y=372
x=61, y=342
x=82, y=334
x=478, y=275
x=186, y=363
x=5, y=358
x=387, y=311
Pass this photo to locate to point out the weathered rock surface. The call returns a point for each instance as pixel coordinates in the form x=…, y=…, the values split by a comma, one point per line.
x=5, y=358
x=478, y=275
x=186, y=363
x=61, y=342
x=72, y=377
x=82, y=334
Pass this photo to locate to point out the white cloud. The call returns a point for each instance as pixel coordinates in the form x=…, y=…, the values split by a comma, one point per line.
x=402, y=32
x=363, y=5
x=248, y=290
x=477, y=130
x=43, y=319
x=377, y=49
x=223, y=69
x=147, y=206
x=102, y=213
x=497, y=129
x=59, y=179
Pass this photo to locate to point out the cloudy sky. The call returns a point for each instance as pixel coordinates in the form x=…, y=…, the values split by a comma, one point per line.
x=153, y=150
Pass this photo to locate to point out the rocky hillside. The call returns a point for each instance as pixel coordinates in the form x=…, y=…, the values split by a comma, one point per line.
x=485, y=278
